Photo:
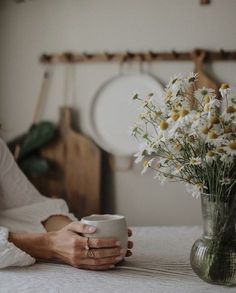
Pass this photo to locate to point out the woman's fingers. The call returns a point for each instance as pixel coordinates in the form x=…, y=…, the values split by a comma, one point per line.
x=130, y=244
x=103, y=243
x=79, y=227
x=128, y=253
x=130, y=233
x=105, y=252
x=101, y=261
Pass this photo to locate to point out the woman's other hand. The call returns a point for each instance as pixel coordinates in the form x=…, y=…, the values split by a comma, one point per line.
x=130, y=244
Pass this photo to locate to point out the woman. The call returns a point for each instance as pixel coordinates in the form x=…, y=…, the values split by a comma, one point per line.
x=35, y=227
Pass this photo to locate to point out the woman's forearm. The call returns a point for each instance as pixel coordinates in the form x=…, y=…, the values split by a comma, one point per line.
x=55, y=223
x=38, y=245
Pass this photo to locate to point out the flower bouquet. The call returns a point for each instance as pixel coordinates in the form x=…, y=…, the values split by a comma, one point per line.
x=192, y=138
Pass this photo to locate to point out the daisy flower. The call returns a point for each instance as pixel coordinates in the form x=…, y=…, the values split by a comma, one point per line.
x=147, y=164
x=184, y=140
x=203, y=92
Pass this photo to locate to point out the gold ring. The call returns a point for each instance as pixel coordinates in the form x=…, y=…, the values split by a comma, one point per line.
x=90, y=253
x=87, y=244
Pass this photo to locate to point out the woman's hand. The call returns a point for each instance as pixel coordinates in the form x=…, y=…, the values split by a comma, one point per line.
x=69, y=246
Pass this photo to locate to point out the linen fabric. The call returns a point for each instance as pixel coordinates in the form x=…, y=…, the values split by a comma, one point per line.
x=22, y=209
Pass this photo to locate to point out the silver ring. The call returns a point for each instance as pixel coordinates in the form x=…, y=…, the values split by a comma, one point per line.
x=90, y=253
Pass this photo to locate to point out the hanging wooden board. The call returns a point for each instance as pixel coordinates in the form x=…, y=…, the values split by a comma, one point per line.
x=76, y=168
x=203, y=79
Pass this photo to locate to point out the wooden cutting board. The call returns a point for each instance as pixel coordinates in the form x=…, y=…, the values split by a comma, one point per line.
x=76, y=168
x=203, y=79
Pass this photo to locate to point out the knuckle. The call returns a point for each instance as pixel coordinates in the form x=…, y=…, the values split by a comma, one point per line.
x=97, y=242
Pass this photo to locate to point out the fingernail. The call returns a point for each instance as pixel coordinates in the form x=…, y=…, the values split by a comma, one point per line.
x=92, y=229
x=129, y=253
x=118, y=258
x=118, y=243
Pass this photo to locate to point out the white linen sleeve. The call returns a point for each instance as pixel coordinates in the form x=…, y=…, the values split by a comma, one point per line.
x=29, y=218
x=10, y=255
x=22, y=209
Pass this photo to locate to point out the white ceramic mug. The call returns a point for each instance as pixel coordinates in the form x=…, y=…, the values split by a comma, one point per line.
x=108, y=226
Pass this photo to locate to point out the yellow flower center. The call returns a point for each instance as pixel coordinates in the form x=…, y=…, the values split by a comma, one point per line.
x=230, y=109
x=214, y=120
x=163, y=125
x=220, y=150
x=212, y=135
x=205, y=130
x=224, y=86
x=210, y=154
x=232, y=145
x=175, y=116
x=183, y=112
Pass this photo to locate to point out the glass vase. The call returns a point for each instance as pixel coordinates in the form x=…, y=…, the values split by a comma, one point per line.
x=213, y=256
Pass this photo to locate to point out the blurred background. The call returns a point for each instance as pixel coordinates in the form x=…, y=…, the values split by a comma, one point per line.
x=30, y=28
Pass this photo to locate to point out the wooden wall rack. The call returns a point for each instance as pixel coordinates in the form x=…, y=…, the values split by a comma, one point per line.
x=148, y=56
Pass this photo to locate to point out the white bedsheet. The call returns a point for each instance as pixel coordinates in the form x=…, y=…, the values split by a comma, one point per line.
x=160, y=264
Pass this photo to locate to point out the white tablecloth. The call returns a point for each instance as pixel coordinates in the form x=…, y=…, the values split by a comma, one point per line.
x=160, y=264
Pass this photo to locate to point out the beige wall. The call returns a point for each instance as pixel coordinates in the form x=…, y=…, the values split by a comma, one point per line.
x=28, y=29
